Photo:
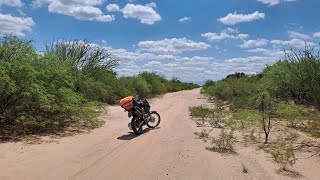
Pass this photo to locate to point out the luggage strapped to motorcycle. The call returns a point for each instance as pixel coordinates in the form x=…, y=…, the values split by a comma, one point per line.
x=127, y=103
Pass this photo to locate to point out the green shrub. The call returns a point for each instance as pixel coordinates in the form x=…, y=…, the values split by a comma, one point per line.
x=313, y=127
x=282, y=153
x=291, y=112
x=238, y=91
x=203, y=135
x=200, y=112
x=141, y=87
x=243, y=119
x=224, y=143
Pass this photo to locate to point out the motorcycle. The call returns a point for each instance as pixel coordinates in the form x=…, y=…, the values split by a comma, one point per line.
x=140, y=118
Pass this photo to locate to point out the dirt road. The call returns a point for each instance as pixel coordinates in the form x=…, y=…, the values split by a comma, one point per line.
x=113, y=152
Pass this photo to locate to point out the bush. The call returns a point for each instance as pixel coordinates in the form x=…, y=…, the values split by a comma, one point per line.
x=283, y=90
x=295, y=78
x=203, y=135
x=314, y=127
x=238, y=91
x=244, y=119
x=291, y=112
x=38, y=92
x=282, y=153
x=224, y=143
x=200, y=112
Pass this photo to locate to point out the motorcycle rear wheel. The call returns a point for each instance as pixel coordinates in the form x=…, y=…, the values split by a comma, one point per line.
x=136, y=125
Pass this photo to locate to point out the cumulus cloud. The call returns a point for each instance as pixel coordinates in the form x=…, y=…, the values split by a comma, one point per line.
x=298, y=35
x=185, y=68
x=152, y=5
x=185, y=19
x=317, y=35
x=234, y=18
x=113, y=8
x=228, y=33
x=254, y=43
x=145, y=13
x=274, y=2
x=15, y=25
x=12, y=3
x=298, y=43
x=248, y=59
x=275, y=53
x=79, y=9
x=172, y=46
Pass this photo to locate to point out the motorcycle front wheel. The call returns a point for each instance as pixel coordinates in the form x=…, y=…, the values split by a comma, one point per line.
x=154, y=120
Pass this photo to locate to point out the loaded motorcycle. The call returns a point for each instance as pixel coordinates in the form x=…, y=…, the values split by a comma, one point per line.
x=140, y=113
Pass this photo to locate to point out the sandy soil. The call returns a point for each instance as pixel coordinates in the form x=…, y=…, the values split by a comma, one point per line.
x=168, y=152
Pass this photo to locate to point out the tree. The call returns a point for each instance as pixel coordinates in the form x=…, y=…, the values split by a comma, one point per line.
x=266, y=110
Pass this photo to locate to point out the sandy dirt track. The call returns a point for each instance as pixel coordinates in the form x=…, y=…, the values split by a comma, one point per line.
x=114, y=152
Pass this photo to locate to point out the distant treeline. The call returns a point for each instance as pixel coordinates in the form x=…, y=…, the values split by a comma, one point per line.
x=289, y=89
x=65, y=85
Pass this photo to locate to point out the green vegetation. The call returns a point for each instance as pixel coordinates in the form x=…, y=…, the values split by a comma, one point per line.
x=64, y=86
x=203, y=135
x=287, y=91
x=213, y=117
x=210, y=118
x=283, y=154
x=224, y=143
x=276, y=102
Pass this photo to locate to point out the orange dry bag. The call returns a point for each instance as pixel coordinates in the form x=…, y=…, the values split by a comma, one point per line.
x=127, y=103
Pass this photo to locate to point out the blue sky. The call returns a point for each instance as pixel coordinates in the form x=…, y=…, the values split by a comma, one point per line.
x=192, y=40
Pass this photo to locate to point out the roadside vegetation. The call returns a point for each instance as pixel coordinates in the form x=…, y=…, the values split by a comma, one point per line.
x=67, y=85
x=268, y=109
x=288, y=91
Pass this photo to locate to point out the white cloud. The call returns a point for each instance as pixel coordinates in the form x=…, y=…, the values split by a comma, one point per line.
x=269, y=2
x=15, y=25
x=39, y=3
x=248, y=59
x=276, y=53
x=185, y=19
x=297, y=35
x=172, y=46
x=317, y=35
x=145, y=13
x=152, y=5
x=79, y=9
x=274, y=2
x=228, y=33
x=113, y=8
x=185, y=68
x=254, y=43
x=298, y=43
x=21, y=13
x=12, y=3
x=152, y=63
x=234, y=18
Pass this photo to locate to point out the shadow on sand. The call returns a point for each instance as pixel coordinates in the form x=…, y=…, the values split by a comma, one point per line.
x=131, y=135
